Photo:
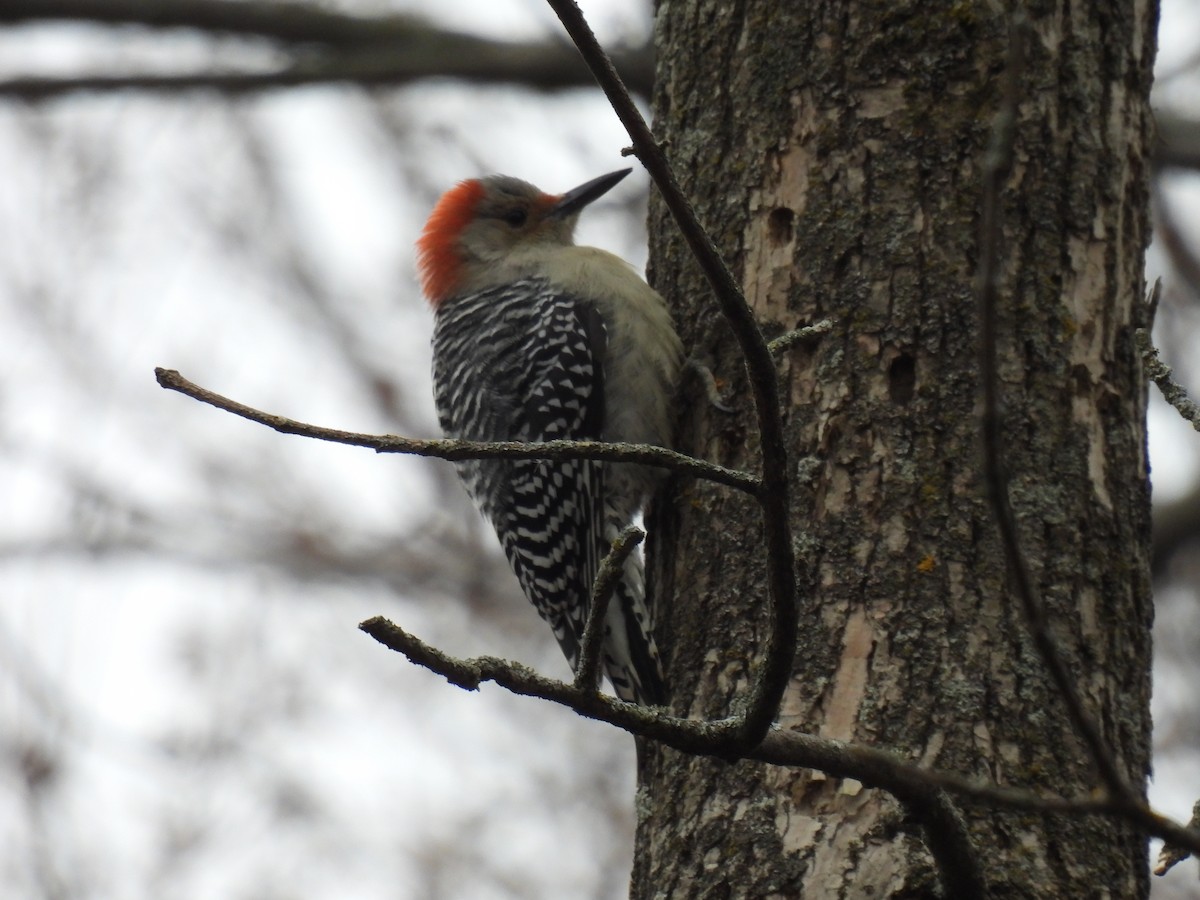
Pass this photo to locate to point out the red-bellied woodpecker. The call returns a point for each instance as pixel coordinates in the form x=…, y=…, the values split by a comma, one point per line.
x=536, y=339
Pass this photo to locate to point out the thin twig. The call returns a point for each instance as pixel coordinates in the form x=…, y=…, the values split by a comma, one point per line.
x=772, y=680
x=1160, y=373
x=873, y=767
x=705, y=738
x=997, y=164
x=790, y=339
x=458, y=450
x=1172, y=854
x=612, y=567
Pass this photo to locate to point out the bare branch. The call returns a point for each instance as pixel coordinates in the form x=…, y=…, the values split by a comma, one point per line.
x=721, y=738
x=1173, y=854
x=458, y=450
x=703, y=738
x=996, y=168
x=772, y=681
x=587, y=674
x=790, y=339
x=1160, y=373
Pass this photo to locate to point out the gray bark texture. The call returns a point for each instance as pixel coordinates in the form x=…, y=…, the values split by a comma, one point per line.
x=835, y=152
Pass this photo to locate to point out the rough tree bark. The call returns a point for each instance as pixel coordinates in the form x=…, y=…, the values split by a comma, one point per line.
x=835, y=152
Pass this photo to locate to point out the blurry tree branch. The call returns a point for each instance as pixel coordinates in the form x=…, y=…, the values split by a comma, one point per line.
x=1178, y=143
x=286, y=21
x=323, y=46
x=295, y=264
x=1176, y=526
x=1175, y=243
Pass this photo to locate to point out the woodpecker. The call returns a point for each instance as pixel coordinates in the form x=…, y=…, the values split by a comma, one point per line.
x=537, y=339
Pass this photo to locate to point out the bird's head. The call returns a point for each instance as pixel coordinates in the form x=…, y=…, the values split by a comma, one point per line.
x=483, y=230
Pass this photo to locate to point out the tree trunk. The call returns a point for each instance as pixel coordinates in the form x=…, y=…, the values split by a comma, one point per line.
x=835, y=153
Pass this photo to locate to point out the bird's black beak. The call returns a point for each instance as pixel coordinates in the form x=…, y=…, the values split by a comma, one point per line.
x=577, y=198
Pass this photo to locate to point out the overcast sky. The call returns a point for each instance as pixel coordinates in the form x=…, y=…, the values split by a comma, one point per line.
x=186, y=707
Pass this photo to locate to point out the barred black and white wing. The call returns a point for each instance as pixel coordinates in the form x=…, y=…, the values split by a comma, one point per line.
x=524, y=362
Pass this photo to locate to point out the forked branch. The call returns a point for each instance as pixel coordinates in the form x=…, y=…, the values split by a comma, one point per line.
x=872, y=767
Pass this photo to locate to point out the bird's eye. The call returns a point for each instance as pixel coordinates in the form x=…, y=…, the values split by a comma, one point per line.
x=515, y=217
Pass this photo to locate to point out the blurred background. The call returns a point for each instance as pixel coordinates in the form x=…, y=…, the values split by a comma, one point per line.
x=187, y=709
